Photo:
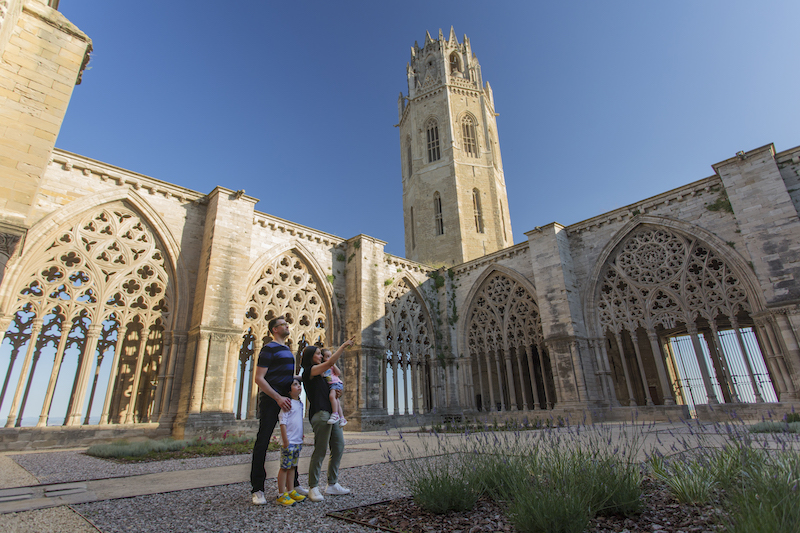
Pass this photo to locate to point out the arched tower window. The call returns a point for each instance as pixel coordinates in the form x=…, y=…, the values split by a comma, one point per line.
x=409, y=165
x=432, y=129
x=476, y=206
x=437, y=210
x=454, y=65
x=413, y=241
x=468, y=137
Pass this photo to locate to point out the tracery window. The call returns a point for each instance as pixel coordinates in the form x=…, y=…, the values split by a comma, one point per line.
x=286, y=286
x=101, y=290
x=667, y=284
x=478, y=212
x=510, y=366
x=437, y=214
x=432, y=131
x=409, y=387
x=468, y=136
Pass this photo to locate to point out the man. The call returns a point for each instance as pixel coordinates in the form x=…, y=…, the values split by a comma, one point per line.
x=274, y=376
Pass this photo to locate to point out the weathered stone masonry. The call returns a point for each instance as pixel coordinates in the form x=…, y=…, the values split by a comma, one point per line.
x=130, y=306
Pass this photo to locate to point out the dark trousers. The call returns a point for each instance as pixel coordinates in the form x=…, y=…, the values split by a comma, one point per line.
x=269, y=412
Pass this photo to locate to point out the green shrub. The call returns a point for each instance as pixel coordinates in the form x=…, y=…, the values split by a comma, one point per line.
x=771, y=426
x=125, y=448
x=768, y=499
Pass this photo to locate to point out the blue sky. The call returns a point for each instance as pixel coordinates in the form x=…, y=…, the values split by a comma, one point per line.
x=601, y=103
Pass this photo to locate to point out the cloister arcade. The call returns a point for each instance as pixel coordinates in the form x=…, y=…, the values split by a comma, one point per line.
x=285, y=285
x=508, y=365
x=412, y=375
x=660, y=284
x=98, y=289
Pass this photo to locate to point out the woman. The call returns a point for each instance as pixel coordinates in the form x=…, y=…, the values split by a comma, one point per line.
x=319, y=411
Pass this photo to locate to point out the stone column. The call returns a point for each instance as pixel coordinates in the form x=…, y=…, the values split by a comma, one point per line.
x=532, y=376
x=642, y=374
x=512, y=390
x=364, y=318
x=662, y=372
x=747, y=363
x=701, y=361
x=718, y=356
x=112, y=377
x=631, y=397
x=93, y=335
x=51, y=385
x=36, y=327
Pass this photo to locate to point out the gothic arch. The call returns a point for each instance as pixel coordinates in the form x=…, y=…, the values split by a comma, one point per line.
x=502, y=335
x=289, y=281
x=95, y=277
x=658, y=278
x=41, y=231
x=468, y=128
x=720, y=247
x=410, y=348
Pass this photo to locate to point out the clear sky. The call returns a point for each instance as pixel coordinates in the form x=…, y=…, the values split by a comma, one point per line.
x=602, y=103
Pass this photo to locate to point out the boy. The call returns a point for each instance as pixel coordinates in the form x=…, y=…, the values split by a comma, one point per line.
x=291, y=443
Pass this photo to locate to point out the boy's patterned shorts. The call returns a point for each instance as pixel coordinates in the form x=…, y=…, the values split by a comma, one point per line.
x=290, y=456
x=338, y=385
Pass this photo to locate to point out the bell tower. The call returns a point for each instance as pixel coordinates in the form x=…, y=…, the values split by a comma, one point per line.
x=455, y=205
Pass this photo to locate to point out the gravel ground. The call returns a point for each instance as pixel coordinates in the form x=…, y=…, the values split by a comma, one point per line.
x=228, y=508
x=64, y=467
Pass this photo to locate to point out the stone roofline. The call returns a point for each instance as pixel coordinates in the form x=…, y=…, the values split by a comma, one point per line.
x=302, y=232
x=648, y=204
x=121, y=176
x=494, y=257
x=407, y=264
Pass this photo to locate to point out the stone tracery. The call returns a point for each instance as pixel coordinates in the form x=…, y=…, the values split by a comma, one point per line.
x=409, y=353
x=662, y=281
x=286, y=286
x=102, y=274
x=506, y=348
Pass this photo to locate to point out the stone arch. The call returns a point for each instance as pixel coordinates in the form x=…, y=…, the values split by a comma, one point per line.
x=659, y=278
x=97, y=278
x=468, y=128
x=410, y=350
x=289, y=281
x=503, y=337
x=39, y=232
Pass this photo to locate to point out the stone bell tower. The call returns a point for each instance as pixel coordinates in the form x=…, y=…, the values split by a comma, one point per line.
x=454, y=194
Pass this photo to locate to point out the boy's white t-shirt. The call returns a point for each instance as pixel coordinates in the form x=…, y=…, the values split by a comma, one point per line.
x=293, y=420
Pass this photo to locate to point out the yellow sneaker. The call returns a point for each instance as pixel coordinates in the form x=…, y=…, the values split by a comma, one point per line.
x=296, y=496
x=285, y=499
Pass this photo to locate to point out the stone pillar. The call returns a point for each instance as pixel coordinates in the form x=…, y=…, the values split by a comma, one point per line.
x=364, y=318
x=662, y=372
x=701, y=361
x=631, y=397
x=559, y=300
x=218, y=311
x=36, y=327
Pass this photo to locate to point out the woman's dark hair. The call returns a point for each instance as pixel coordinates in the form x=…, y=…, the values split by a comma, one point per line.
x=307, y=361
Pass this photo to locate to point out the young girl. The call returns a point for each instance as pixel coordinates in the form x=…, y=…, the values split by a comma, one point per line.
x=332, y=377
x=291, y=443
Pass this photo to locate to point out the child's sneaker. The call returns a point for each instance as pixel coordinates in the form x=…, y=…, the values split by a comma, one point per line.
x=296, y=496
x=342, y=421
x=285, y=499
x=333, y=419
